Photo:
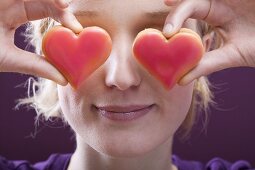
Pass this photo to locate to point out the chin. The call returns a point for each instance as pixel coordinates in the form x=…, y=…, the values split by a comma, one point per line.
x=128, y=149
x=123, y=153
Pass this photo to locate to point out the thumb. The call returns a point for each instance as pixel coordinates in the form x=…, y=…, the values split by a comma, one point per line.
x=17, y=60
x=196, y=9
x=213, y=61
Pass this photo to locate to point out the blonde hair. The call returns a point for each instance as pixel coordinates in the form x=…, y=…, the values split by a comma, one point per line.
x=44, y=97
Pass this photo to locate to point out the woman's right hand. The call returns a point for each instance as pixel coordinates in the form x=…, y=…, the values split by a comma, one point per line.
x=14, y=13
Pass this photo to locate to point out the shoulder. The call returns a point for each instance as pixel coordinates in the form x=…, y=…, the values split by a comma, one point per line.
x=55, y=161
x=214, y=164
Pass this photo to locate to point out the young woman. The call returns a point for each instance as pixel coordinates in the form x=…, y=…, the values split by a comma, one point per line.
x=120, y=85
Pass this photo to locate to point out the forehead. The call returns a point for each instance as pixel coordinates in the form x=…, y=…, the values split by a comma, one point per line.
x=123, y=13
x=128, y=8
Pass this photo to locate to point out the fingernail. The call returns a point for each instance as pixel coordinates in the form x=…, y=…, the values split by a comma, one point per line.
x=77, y=27
x=167, y=28
x=181, y=83
x=68, y=1
x=63, y=3
x=62, y=81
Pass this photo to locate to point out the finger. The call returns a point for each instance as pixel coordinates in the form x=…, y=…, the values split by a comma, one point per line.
x=213, y=61
x=197, y=9
x=63, y=3
x=29, y=63
x=69, y=20
x=42, y=9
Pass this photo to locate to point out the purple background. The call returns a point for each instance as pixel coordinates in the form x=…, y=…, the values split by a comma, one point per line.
x=230, y=132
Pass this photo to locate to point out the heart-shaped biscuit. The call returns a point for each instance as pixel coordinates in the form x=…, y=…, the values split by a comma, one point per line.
x=76, y=56
x=168, y=59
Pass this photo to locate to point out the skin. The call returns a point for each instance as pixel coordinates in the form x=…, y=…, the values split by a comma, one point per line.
x=138, y=144
x=232, y=19
x=143, y=144
x=13, y=13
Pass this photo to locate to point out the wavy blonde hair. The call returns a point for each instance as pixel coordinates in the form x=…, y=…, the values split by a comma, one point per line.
x=43, y=97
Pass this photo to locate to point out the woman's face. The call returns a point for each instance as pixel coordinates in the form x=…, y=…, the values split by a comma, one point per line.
x=121, y=81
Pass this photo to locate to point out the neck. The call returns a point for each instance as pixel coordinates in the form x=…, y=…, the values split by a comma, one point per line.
x=86, y=158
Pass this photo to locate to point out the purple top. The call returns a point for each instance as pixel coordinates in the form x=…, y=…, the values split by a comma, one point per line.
x=61, y=161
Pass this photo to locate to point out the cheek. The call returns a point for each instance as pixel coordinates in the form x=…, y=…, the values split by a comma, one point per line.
x=70, y=105
x=177, y=104
x=75, y=107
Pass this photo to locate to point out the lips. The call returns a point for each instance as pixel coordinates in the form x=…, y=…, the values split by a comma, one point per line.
x=123, y=113
x=123, y=109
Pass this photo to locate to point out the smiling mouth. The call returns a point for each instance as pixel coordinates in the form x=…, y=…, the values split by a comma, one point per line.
x=123, y=113
x=123, y=109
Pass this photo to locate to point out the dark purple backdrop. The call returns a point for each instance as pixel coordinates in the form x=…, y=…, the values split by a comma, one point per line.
x=230, y=134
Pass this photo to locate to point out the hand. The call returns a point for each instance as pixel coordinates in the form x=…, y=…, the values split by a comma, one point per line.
x=234, y=20
x=14, y=13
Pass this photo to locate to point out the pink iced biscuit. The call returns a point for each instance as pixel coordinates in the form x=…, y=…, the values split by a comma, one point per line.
x=168, y=59
x=76, y=56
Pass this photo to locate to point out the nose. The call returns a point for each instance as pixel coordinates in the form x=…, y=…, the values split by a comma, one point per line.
x=121, y=68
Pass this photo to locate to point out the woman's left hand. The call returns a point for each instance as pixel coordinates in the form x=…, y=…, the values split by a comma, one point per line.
x=234, y=20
